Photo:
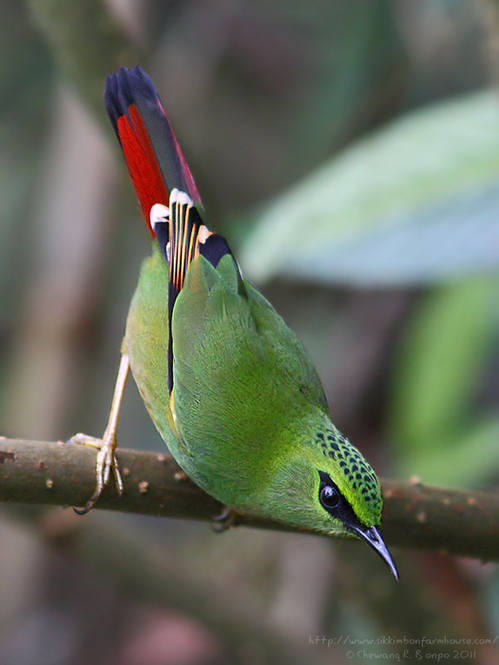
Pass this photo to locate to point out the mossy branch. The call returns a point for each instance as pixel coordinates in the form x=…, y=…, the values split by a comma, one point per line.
x=415, y=515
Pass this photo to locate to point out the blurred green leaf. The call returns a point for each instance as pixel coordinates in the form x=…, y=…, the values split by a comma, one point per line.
x=439, y=363
x=464, y=461
x=431, y=416
x=416, y=202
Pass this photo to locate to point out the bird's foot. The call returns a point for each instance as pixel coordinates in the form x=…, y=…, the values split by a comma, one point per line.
x=105, y=462
x=223, y=520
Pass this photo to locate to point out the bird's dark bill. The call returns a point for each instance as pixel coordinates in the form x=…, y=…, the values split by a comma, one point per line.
x=373, y=538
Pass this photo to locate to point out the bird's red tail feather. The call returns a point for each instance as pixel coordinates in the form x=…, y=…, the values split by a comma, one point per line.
x=152, y=153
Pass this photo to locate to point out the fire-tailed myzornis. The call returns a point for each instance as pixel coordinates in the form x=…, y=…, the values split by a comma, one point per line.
x=228, y=385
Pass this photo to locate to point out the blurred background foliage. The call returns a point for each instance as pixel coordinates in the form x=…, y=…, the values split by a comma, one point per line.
x=350, y=152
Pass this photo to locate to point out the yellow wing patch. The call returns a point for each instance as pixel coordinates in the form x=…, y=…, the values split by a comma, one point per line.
x=186, y=232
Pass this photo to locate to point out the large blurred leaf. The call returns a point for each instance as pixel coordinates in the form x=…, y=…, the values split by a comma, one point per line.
x=416, y=202
x=468, y=460
x=439, y=363
x=433, y=420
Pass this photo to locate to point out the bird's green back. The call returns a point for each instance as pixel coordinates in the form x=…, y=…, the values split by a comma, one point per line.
x=242, y=379
x=249, y=405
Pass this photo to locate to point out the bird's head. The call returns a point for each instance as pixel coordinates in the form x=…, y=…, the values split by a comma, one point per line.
x=330, y=487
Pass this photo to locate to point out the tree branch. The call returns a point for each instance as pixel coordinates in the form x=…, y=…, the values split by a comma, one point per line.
x=415, y=515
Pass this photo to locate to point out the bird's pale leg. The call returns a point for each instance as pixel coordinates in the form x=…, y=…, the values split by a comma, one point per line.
x=106, y=457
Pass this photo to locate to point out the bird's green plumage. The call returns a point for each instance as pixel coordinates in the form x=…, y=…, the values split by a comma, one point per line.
x=251, y=419
x=228, y=385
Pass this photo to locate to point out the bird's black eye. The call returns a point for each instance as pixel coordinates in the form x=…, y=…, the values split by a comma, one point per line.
x=329, y=497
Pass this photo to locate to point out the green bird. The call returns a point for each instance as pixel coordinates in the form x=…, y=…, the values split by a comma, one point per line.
x=228, y=385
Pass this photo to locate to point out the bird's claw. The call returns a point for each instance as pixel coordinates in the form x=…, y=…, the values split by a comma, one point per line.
x=105, y=461
x=224, y=520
